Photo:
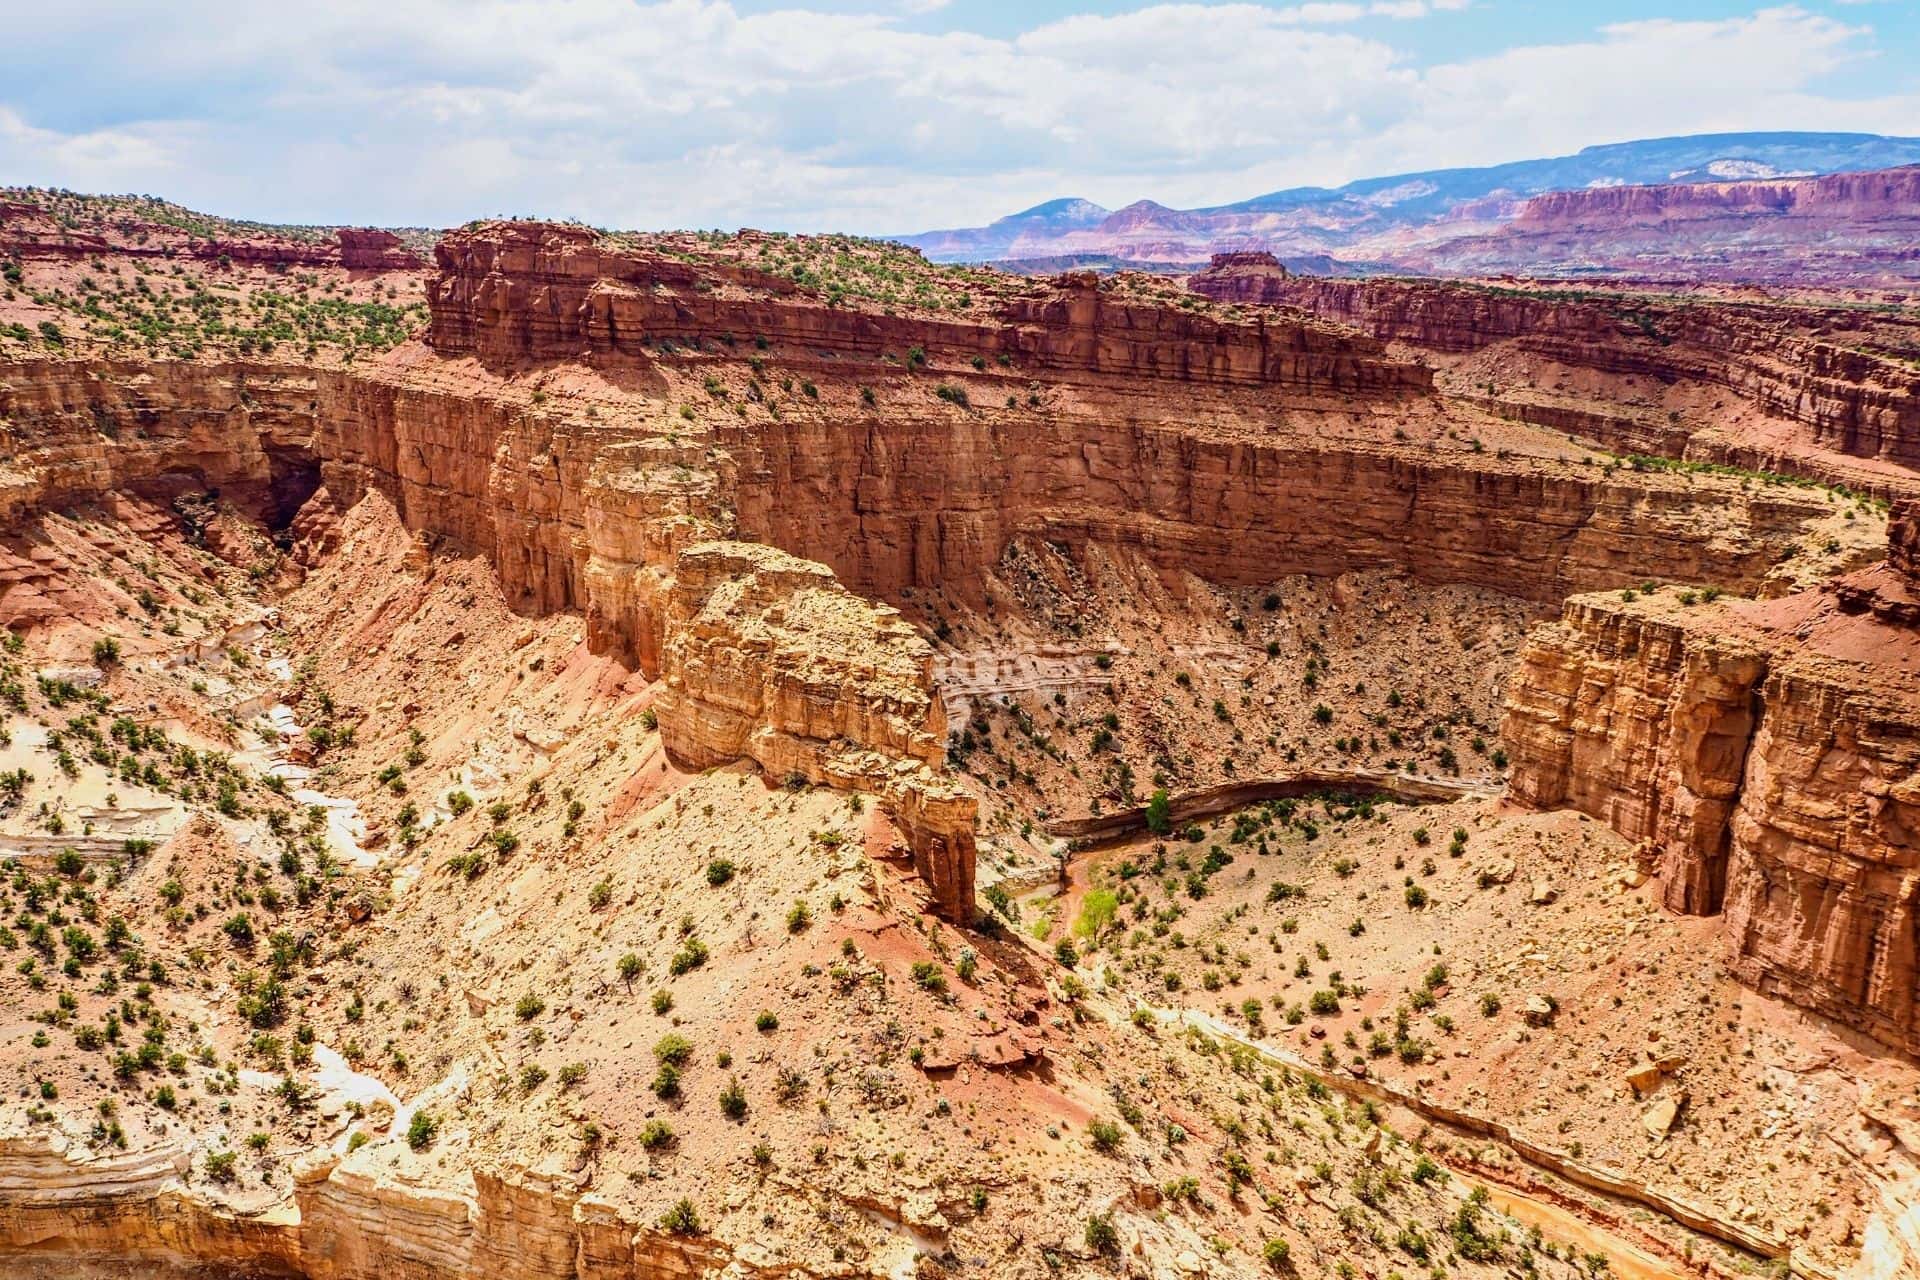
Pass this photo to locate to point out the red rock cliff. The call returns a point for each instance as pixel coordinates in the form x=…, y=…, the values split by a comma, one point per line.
x=1883, y=193
x=1765, y=754
x=1844, y=397
x=514, y=293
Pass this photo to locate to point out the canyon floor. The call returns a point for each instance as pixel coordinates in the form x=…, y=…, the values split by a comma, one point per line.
x=624, y=756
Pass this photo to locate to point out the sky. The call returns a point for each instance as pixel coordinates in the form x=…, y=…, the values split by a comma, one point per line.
x=886, y=116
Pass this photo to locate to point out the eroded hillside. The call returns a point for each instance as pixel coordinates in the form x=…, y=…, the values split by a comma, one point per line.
x=620, y=782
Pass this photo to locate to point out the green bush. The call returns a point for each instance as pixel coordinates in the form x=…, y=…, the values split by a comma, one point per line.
x=681, y=1220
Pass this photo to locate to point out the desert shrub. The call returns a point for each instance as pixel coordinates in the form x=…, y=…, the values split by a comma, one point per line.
x=681, y=1220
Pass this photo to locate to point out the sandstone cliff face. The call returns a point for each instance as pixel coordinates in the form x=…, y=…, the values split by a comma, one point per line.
x=349, y=1219
x=767, y=657
x=492, y=473
x=1845, y=399
x=1822, y=896
x=1643, y=721
x=517, y=292
x=75, y=430
x=1890, y=194
x=1765, y=756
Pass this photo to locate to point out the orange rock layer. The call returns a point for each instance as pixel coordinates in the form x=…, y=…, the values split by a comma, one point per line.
x=1766, y=755
x=1843, y=397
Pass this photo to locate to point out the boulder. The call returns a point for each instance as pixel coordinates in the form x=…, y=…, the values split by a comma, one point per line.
x=1663, y=1113
x=1643, y=1076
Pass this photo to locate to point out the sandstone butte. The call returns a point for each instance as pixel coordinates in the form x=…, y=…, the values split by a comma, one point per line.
x=633, y=625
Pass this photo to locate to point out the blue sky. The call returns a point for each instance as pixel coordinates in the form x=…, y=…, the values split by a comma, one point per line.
x=888, y=115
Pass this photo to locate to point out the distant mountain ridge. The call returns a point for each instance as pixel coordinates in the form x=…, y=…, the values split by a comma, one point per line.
x=1403, y=219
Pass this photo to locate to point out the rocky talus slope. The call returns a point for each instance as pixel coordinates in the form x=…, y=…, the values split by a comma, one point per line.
x=1765, y=755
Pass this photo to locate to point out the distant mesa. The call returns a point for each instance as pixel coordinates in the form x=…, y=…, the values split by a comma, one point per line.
x=1774, y=207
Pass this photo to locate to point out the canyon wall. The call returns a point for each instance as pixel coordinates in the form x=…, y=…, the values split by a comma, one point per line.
x=768, y=657
x=931, y=502
x=514, y=293
x=489, y=472
x=1765, y=756
x=350, y=1218
x=1846, y=399
x=1888, y=195
x=74, y=430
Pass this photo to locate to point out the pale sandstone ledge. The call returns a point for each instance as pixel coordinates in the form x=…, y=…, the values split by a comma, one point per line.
x=768, y=657
x=65, y=1212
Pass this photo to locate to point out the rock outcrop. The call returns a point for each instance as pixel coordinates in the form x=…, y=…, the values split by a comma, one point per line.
x=1855, y=396
x=73, y=430
x=30, y=231
x=1836, y=226
x=1883, y=193
x=1819, y=386
x=1765, y=755
x=767, y=657
x=352, y=1218
x=513, y=293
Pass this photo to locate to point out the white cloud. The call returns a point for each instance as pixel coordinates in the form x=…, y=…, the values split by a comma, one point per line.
x=688, y=112
x=110, y=156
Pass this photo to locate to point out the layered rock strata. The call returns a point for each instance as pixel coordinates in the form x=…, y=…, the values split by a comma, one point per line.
x=28, y=231
x=1855, y=396
x=768, y=658
x=1766, y=756
x=72, y=431
x=348, y=1219
x=511, y=293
